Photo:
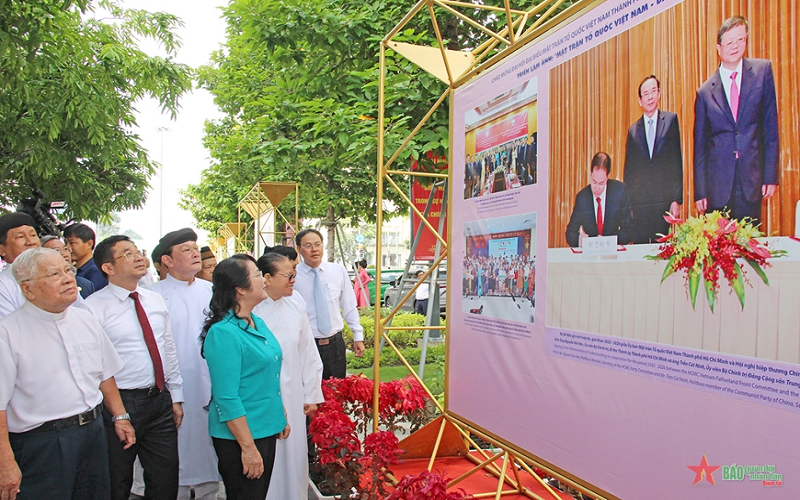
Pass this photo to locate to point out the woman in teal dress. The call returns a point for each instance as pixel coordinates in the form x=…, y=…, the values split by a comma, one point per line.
x=246, y=413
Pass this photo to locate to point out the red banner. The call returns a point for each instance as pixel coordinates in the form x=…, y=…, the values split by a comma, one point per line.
x=511, y=128
x=419, y=196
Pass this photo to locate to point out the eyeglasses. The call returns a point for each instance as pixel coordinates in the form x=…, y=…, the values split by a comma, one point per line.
x=315, y=246
x=599, y=184
x=739, y=41
x=290, y=277
x=130, y=255
x=55, y=275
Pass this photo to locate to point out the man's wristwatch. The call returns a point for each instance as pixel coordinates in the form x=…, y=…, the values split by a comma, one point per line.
x=124, y=416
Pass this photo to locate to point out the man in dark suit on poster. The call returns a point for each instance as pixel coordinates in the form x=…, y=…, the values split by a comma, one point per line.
x=653, y=165
x=602, y=208
x=736, y=130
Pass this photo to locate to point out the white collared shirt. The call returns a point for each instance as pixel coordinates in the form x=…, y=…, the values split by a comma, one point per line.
x=11, y=297
x=51, y=365
x=647, y=130
x=117, y=313
x=602, y=204
x=341, y=299
x=725, y=76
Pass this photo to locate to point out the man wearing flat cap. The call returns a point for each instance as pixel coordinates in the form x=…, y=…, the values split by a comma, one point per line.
x=17, y=234
x=160, y=268
x=187, y=299
x=209, y=263
x=57, y=370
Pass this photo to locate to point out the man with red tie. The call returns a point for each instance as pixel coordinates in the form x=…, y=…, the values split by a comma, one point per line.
x=602, y=208
x=137, y=322
x=736, y=146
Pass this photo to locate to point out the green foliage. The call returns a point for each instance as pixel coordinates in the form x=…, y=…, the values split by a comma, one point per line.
x=69, y=85
x=400, y=338
x=298, y=82
x=390, y=358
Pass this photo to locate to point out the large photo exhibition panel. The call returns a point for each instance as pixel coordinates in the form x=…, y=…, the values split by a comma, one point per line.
x=590, y=363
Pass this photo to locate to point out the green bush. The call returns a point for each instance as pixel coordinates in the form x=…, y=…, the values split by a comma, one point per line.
x=401, y=338
x=390, y=358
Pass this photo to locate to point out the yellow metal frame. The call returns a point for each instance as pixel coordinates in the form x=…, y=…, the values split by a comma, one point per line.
x=262, y=198
x=518, y=27
x=227, y=231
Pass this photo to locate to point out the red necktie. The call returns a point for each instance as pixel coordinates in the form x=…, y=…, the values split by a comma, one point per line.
x=734, y=95
x=150, y=340
x=599, y=218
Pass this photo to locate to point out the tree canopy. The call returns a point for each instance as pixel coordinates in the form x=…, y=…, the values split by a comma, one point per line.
x=298, y=83
x=69, y=85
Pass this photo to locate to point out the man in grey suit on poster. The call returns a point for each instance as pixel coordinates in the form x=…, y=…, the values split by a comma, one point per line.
x=736, y=130
x=653, y=165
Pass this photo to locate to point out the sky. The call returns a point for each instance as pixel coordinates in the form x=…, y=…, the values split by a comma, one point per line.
x=182, y=155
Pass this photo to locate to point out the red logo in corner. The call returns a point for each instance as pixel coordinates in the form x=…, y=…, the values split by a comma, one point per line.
x=703, y=470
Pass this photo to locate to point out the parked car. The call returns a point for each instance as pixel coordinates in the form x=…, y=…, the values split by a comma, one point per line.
x=394, y=295
x=387, y=277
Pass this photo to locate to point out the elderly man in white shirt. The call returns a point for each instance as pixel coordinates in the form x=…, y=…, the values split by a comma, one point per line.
x=326, y=289
x=56, y=368
x=137, y=322
x=187, y=299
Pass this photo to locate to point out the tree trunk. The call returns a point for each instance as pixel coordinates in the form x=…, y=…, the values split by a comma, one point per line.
x=330, y=224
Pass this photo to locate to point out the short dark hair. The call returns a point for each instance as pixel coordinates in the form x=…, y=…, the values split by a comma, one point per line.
x=104, y=252
x=729, y=24
x=651, y=77
x=601, y=161
x=229, y=275
x=304, y=232
x=268, y=263
x=289, y=252
x=80, y=231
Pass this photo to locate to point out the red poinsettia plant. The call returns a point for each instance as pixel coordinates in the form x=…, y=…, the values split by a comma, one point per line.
x=342, y=465
x=712, y=245
x=425, y=486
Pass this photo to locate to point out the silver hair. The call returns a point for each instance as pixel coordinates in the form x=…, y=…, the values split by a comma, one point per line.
x=26, y=264
x=49, y=237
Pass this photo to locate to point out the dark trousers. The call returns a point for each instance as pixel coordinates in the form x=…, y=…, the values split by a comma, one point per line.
x=334, y=360
x=738, y=205
x=229, y=463
x=64, y=464
x=156, y=445
x=421, y=307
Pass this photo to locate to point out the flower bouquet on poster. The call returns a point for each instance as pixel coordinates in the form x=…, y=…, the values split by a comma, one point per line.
x=710, y=246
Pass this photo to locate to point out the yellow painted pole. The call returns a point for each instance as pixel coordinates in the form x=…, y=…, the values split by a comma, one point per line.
x=442, y=48
x=509, y=21
x=376, y=370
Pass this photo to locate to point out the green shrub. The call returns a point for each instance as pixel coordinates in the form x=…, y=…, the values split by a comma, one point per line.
x=401, y=338
x=390, y=358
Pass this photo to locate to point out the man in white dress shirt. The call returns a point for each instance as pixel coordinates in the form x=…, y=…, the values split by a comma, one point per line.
x=56, y=368
x=17, y=234
x=150, y=382
x=326, y=286
x=187, y=299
